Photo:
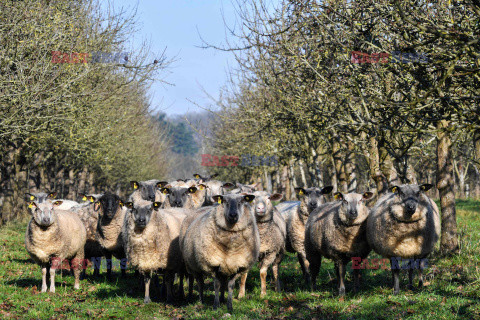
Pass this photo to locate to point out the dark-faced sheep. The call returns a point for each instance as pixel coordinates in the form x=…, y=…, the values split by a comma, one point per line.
x=404, y=223
x=337, y=230
x=296, y=217
x=52, y=237
x=222, y=242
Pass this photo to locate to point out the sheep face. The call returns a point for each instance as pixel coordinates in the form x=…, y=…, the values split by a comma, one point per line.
x=40, y=197
x=178, y=197
x=147, y=188
x=312, y=197
x=405, y=206
x=142, y=212
x=109, y=204
x=43, y=212
x=263, y=203
x=215, y=187
x=352, y=207
x=236, y=207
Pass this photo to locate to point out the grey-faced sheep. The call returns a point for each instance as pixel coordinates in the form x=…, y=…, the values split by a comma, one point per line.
x=41, y=197
x=296, y=218
x=109, y=228
x=404, y=223
x=182, y=197
x=272, y=230
x=337, y=230
x=222, y=242
x=53, y=236
x=147, y=190
x=151, y=241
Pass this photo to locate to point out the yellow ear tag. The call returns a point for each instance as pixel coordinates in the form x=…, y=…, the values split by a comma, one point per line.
x=197, y=176
x=300, y=192
x=30, y=205
x=135, y=186
x=32, y=198
x=84, y=198
x=200, y=187
x=165, y=191
x=394, y=189
x=219, y=200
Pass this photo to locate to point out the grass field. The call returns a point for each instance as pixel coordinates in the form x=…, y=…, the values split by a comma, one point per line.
x=452, y=289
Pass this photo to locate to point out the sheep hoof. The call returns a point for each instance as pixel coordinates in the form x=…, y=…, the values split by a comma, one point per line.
x=341, y=292
x=147, y=300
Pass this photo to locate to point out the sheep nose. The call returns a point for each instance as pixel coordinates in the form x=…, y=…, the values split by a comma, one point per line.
x=354, y=214
x=260, y=207
x=177, y=204
x=410, y=208
x=45, y=220
x=151, y=198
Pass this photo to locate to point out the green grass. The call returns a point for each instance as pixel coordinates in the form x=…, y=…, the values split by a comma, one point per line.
x=452, y=289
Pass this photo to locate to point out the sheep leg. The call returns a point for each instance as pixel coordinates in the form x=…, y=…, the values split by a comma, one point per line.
x=223, y=286
x=410, y=278
x=231, y=285
x=96, y=268
x=275, y=277
x=146, y=278
x=199, y=279
x=44, y=279
x=314, y=270
x=356, y=280
x=77, y=264
x=243, y=280
x=181, y=292
x=169, y=277
x=341, y=278
x=190, y=286
x=305, y=265
x=52, y=280
x=263, y=280
x=216, y=284
x=108, y=257
x=420, y=273
x=396, y=280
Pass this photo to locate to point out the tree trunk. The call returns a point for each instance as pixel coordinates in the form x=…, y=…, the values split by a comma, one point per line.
x=302, y=173
x=350, y=167
x=374, y=164
x=268, y=180
x=445, y=185
x=342, y=185
x=286, y=183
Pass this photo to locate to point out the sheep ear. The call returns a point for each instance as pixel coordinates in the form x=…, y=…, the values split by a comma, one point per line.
x=165, y=190
x=120, y=203
x=134, y=185
x=367, y=195
x=96, y=206
x=52, y=195
x=327, y=189
x=178, y=180
x=83, y=196
x=162, y=184
x=213, y=176
x=196, y=176
x=228, y=185
x=30, y=197
x=426, y=186
x=129, y=205
x=393, y=189
x=156, y=205
x=201, y=186
x=57, y=203
x=300, y=192
x=218, y=199
x=31, y=205
x=192, y=189
x=248, y=197
x=338, y=196
x=91, y=198
x=276, y=197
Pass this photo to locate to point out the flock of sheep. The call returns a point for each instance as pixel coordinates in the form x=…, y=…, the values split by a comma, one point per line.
x=204, y=227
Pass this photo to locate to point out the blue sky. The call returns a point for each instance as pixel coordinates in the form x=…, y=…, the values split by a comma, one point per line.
x=176, y=24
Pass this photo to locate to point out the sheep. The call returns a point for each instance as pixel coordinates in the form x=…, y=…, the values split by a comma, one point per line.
x=216, y=187
x=404, y=223
x=248, y=188
x=151, y=242
x=272, y=230
x=337, y=230
x=41, y=197
x=181, y=197
x=147, y=190
x=296, y=217
x=55, y=234
x=223, y=242
x=93, y=250
x=109, y=229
